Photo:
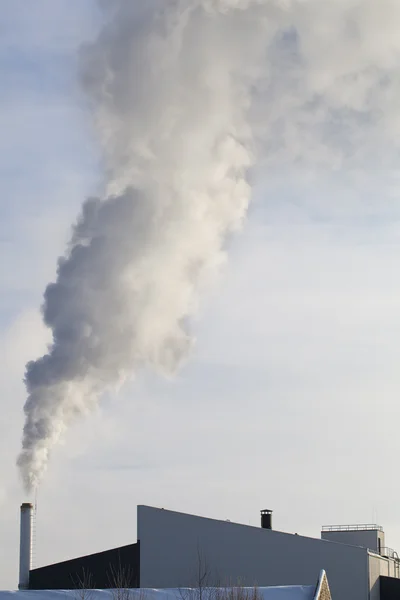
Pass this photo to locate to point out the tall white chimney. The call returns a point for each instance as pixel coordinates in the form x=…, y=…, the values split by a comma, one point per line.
x=25, y=545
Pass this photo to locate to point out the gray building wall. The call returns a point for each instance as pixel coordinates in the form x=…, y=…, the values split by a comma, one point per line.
x=378, y=565
x=367, y=538
x=171, y=542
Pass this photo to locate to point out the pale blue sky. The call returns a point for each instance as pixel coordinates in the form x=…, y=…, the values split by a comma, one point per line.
x=290, y=399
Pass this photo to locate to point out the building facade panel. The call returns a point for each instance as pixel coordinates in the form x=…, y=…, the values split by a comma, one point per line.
x=367, y=539
x=379, y=567
x=173, y=544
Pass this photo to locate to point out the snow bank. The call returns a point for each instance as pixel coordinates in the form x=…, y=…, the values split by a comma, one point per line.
x=265, y=593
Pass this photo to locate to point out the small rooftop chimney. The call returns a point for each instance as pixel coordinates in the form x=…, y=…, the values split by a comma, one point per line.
x=266, y=519
x=25, y=547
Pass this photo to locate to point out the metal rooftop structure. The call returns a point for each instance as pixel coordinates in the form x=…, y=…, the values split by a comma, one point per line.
x=363, y=527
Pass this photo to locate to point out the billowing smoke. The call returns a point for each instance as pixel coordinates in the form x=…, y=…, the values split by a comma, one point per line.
x=188, y=98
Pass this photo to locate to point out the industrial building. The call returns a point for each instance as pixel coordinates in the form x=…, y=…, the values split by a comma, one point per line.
x=177, y=550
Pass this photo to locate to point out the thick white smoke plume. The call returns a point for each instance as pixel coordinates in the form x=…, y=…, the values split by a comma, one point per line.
x=188, y=96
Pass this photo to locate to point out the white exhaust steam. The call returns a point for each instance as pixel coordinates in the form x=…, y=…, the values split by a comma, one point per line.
x=187, y=95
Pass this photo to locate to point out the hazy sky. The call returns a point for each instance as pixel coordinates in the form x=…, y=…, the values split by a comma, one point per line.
x=290, y=400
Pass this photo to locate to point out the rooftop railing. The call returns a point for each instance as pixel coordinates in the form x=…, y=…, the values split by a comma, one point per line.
x=389, y=553
x=364, y=527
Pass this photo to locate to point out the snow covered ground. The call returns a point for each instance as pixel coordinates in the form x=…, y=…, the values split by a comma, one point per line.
x=265, y=593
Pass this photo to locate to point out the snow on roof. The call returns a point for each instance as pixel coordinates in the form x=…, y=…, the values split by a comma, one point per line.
x=265, y=593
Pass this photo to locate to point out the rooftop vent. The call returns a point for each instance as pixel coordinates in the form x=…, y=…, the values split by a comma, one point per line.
x=266, y=519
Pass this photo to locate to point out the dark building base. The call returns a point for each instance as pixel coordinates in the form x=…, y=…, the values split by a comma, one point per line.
x=118, y=568
x=389, y=588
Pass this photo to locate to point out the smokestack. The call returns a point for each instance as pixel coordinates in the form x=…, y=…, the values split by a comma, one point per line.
x=266, y=519
x=25, y=547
